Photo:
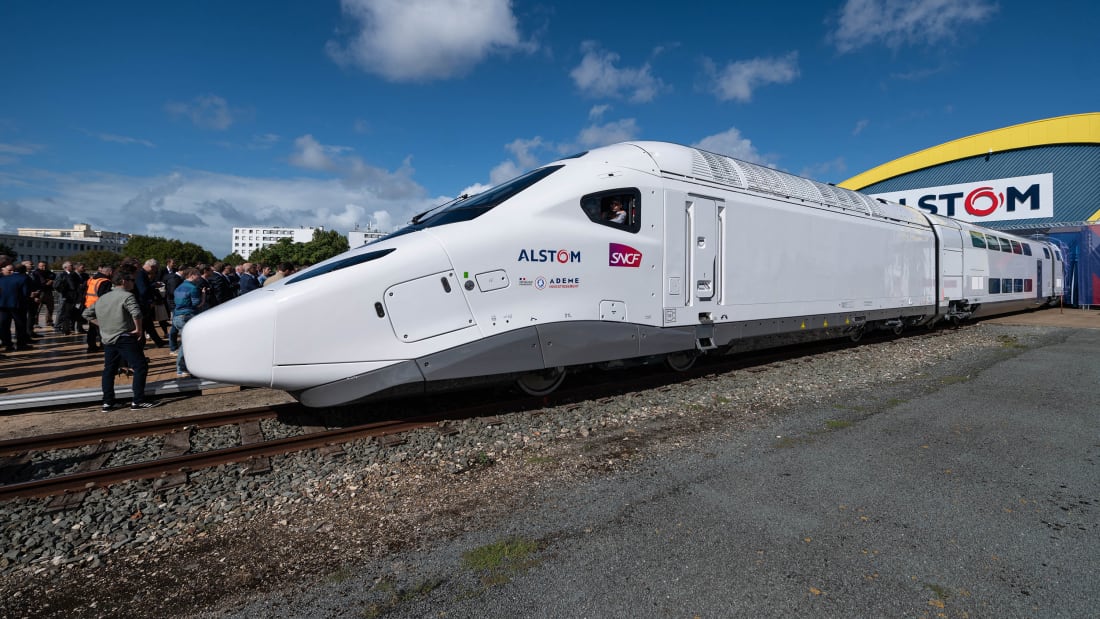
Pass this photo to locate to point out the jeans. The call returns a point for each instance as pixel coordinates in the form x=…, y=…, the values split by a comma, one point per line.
x=130, y=349
x=178, y=322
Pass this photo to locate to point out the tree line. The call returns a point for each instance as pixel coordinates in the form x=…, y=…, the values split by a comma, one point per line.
x=324, y=245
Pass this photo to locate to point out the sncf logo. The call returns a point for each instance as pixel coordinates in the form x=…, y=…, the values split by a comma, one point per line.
x=619, y=255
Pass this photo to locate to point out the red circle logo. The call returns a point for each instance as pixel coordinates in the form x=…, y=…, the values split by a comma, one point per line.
x=563, y=256
x=987, y=195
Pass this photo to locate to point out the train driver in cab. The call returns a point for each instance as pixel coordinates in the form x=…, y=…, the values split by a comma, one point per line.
x=616, y=215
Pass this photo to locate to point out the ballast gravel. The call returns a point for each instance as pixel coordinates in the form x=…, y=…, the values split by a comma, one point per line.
x=228, y=538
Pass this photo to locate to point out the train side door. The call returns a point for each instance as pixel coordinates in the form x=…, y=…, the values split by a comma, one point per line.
x=693, y=257
x=703, y=243
x=1039, y=292
x=951, y=263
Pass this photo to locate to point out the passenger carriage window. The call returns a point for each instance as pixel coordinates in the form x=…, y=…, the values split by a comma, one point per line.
x=977, y=239
x=618, y=208
x=994, y=285
x=1006, y=286
x=1016, y=249
x=1027, y=249
x=1027, y=285
x=1005, y=245
x=1018, y=285
x=992, y=243
x=1046, y=253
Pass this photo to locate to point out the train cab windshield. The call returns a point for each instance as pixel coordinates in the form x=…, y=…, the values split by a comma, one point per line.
x=477, y=205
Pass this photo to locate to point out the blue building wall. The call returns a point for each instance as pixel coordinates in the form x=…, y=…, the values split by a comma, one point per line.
x=1076, y=170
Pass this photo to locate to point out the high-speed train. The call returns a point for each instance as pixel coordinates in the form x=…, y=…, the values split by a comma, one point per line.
x=635, y=251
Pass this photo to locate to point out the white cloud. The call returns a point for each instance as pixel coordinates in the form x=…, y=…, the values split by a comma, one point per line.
x=595, y=136
x=733, y=144
x=203, y=207
x=206, y=112
x=738, y=80
x=597, y=76
x=414, y=40
x=861, y=124
x=20, y=149
x=311, y=155
x=895, y=23
x=598, y=111
x=521, y=149
x=120, y=139
x=825, y=171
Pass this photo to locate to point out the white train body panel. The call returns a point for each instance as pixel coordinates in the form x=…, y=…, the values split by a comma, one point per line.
x=531, y=275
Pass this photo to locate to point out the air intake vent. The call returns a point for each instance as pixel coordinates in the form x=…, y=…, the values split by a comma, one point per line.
x=724, y=170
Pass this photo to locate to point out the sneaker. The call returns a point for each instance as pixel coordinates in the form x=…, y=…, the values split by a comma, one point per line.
x=173, y=353
x=183, y=375
x=109, y=407
x=136, y=406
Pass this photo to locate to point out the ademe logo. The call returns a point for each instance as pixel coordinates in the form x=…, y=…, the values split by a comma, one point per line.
x=1021, y=197
x=619, y=255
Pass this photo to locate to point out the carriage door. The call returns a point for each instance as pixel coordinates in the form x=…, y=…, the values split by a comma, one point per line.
x=1039, y=293
x=703, y=242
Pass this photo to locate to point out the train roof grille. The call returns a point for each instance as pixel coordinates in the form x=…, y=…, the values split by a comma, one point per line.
x=725, y=170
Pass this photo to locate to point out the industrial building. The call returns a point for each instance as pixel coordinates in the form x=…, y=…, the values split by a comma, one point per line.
x=248, y=240
x=1039, y=179
x=53, y=245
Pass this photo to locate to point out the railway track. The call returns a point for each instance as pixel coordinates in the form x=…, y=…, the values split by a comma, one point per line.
x=177, y=459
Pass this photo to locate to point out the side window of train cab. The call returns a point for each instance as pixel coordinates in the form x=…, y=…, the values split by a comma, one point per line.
x=617, y=208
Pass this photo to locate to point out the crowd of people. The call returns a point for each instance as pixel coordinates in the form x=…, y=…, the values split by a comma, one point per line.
x=117, y=308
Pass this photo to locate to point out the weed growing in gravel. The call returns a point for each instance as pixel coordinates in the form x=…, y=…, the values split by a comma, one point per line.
x=1009, y=341
x=941, y=592
x=343, y=574
x=954, y=380
x=540, y=460
x=498, y=563
x=855, y=408
x=837, y=424
x=393, y=596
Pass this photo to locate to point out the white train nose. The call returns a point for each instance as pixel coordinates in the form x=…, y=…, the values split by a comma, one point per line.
x=234, y=342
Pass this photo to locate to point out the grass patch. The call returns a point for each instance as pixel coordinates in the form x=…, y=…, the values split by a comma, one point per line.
x=790, y=442
x=853, y=408
x=939, y=591
x=837, y=424
x=540, y=460
x=392, y=596
x=954, y=380
x=1009, y=341
x=892, y=402
x=499, y=562
x=343, y=574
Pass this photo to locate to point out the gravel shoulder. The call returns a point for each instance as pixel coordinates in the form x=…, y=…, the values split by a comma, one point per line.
x=482, y=521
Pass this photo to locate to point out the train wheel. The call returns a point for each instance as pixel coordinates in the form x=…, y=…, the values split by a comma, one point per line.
x=898, y=329
x=856, y=334
x=542, y=382
x=681, y=361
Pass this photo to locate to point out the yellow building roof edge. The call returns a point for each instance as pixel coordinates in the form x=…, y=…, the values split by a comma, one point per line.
x=1071, y=129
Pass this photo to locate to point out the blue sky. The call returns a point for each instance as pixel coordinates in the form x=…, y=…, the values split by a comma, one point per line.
x=185, y=119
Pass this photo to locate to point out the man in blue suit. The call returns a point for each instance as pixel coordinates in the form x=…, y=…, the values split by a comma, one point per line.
x=14, y=293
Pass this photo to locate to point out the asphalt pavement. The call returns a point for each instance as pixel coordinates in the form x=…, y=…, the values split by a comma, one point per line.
x=974, y=495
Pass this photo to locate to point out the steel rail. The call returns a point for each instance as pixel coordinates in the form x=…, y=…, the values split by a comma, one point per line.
x=189, y=462
x=77, y=438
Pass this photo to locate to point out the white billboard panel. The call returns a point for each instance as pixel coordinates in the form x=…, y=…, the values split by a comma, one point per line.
x=1002, y=199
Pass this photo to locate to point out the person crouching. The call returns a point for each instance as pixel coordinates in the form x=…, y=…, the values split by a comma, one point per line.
x=118, y=316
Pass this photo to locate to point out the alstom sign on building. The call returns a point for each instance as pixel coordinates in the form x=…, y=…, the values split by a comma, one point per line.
x=1002, y=199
